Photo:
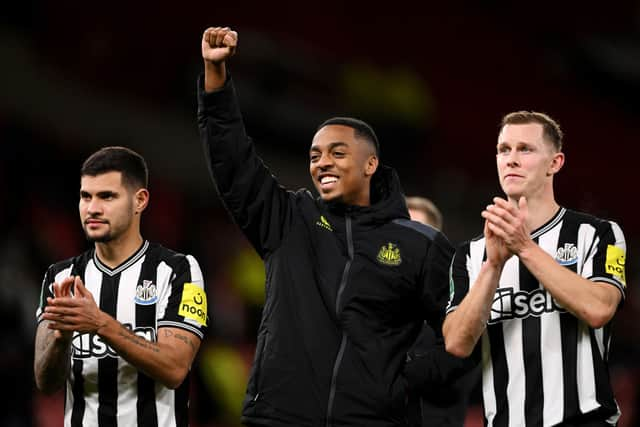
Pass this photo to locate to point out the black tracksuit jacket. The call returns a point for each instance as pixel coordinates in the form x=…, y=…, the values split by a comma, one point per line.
x=347, y=287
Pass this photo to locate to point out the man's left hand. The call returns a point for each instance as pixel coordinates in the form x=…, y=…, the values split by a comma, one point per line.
x=78, y=312
x=509, y=222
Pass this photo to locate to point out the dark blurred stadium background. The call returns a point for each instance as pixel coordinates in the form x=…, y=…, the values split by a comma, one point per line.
x=432, y=79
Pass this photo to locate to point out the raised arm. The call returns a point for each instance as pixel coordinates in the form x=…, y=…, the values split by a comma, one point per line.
x=251, y=194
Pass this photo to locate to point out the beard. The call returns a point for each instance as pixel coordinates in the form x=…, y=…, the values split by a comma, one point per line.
x=100, y=238
x=105, y=238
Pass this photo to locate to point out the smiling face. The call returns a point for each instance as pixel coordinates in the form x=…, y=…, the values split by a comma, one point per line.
x=526, y=161
x=341, y=165
x=109, y=209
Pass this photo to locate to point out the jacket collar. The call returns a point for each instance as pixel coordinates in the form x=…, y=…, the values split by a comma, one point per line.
x=387, y=200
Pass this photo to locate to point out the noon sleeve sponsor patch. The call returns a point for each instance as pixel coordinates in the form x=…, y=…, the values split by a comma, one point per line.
x=193, y=304
x=614, y=264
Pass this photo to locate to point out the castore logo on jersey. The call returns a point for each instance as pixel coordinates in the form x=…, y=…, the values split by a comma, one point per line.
x=322, y=222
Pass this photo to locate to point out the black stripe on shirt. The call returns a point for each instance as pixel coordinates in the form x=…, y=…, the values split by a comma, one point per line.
x=77, y=389
x=531, y=338
x=569, y=332
x=500, y=374
x=108, y=366
x=182, y=395
x=604, y=395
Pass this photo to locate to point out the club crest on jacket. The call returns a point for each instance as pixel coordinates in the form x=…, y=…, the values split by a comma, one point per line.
x=389, y=254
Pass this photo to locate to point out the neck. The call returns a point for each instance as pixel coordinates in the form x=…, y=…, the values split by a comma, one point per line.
x=540, y=211
x=115, y=252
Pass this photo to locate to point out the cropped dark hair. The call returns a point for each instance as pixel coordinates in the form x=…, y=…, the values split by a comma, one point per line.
x=118, y=159
x=361, y=128
x=550, y=128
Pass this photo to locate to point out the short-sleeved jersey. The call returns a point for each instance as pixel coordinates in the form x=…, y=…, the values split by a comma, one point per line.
x=154, y=288
x=541, y=364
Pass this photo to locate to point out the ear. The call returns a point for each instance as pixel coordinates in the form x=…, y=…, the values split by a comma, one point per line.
x=557, y=161
x=141, y=200
x=371, y=166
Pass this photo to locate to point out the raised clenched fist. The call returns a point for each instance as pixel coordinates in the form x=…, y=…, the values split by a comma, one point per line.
x=218, y=44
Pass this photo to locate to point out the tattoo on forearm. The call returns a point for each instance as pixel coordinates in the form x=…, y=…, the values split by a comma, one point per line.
x=51, y=363
x=139, y=341
x=186, y=340
x=48, y=340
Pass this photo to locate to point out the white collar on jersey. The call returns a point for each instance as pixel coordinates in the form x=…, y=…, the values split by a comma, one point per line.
x=126, y=264
x=550, y=224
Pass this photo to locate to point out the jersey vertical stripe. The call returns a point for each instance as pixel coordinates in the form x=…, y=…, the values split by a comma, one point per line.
x=531, y=344
x=108, y=366
x=488, y=382
x=568, y=234
x=144, y=294
x=128, y=374
x=586, y=381
x=541, y=365
x=551, y=361
x=145, y=317
x=182, y=417
x=164, y=397
x=75, y=417
x=513, y=351
x=86, y=367
x=569, y=349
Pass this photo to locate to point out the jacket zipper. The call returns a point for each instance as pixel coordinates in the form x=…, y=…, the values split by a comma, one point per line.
x=343, y=343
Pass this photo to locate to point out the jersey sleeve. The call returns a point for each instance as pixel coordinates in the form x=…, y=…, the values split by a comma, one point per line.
x=435, y=281
x=55, y=272
x=187, y=306
x=606, y=261
x=458, y=277
x=46, y=291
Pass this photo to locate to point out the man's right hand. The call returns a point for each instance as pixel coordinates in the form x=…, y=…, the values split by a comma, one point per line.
x=62, y=290
x=218, y=44
x=497, y=251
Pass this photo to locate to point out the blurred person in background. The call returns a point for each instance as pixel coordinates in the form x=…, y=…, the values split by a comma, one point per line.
x=349, y=278
x=120, y=324
x=423, y=210
x=538, y=291
x=432, y=403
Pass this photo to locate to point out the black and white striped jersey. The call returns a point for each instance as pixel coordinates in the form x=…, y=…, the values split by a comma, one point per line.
x=154, y=288
x=541, y=365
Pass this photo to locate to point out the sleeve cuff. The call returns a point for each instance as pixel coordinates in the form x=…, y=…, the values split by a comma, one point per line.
x=221, y=104
x=209, y=99
x=613, y=282
x=180, y=325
